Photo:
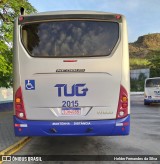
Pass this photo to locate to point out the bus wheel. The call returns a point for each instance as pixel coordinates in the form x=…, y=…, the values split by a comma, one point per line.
x=146, y=103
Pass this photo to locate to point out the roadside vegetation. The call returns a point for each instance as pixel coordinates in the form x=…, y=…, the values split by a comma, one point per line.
x=145, y=53
x=9, y=10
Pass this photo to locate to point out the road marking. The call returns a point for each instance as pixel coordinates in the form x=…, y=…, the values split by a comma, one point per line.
x=15, y=147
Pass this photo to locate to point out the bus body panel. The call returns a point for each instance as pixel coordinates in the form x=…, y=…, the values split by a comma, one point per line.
x=125, y=78
x=103, y=81
x=72, y=128
x=91, y=85
x=152, y=90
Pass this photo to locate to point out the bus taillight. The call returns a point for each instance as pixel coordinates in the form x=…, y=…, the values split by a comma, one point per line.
x=122, y=110
x=21, y=18
x=19, y=105
x=118, y=16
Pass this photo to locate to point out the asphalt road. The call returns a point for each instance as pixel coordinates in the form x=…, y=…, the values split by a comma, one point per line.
x=144, y=138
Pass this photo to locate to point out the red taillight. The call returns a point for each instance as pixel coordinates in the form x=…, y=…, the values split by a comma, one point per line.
x=19, y=105
x=122, y=110
x=118, y=16
x=21, y=18
x=17, y=125
x=124, y=105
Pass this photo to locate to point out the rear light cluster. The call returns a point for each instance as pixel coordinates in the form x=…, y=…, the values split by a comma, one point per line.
x=118, y=16
x=122, y=110
x=19, y=105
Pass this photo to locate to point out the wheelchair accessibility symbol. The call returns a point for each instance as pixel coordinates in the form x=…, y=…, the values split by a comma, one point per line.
x=30, y=84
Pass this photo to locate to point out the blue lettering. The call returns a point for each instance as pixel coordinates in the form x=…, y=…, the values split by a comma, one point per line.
x=69, y=94
x=84, y=90
x=59, y=88
x=75, y=90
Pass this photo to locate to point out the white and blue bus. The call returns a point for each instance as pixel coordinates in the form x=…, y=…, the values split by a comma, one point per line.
x=152, y=90
x=71, y=74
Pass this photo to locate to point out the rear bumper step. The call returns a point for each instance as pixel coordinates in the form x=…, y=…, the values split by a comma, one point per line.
x=72, y=128
x=152, y=100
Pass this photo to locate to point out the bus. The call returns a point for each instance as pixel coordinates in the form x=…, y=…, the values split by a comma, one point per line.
x=71, y=74
x=152, y=90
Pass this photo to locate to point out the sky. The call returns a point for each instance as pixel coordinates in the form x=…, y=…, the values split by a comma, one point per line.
x=143, y=16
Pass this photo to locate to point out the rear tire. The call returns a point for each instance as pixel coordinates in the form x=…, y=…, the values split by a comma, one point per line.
x=146, y=103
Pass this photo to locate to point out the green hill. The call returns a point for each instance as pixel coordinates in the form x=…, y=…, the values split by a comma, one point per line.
x=144, y=49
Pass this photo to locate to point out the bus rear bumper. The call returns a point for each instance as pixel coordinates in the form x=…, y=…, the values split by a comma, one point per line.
x=72, y=128
x=151, y=101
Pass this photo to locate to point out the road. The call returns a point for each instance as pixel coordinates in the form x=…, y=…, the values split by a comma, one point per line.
x=144, y=138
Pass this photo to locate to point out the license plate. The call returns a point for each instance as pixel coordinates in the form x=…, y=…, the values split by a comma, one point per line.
x=71, y=111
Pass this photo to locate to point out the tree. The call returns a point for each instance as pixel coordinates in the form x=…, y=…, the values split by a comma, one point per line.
x=154, y=64
x=9, y=10
x=138, y=84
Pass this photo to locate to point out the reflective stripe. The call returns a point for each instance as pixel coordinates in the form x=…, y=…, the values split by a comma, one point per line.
x=21, y=125
x=119, y=124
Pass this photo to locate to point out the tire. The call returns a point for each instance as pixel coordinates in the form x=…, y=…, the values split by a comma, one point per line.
x=146, y=103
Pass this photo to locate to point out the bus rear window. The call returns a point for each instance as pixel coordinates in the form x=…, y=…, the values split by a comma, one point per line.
x=70, y=38
x=153, y=83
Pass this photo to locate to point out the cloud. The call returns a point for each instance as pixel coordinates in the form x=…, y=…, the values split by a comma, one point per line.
x=140, y=14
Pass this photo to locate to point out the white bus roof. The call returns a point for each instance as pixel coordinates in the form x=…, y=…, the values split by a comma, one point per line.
x=62, y=12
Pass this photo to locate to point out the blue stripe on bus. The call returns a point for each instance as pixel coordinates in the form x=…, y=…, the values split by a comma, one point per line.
x=72, y=128
x=151, y=101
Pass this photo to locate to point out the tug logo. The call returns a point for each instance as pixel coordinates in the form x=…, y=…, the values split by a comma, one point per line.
x=75, y=90
x=157, y=92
